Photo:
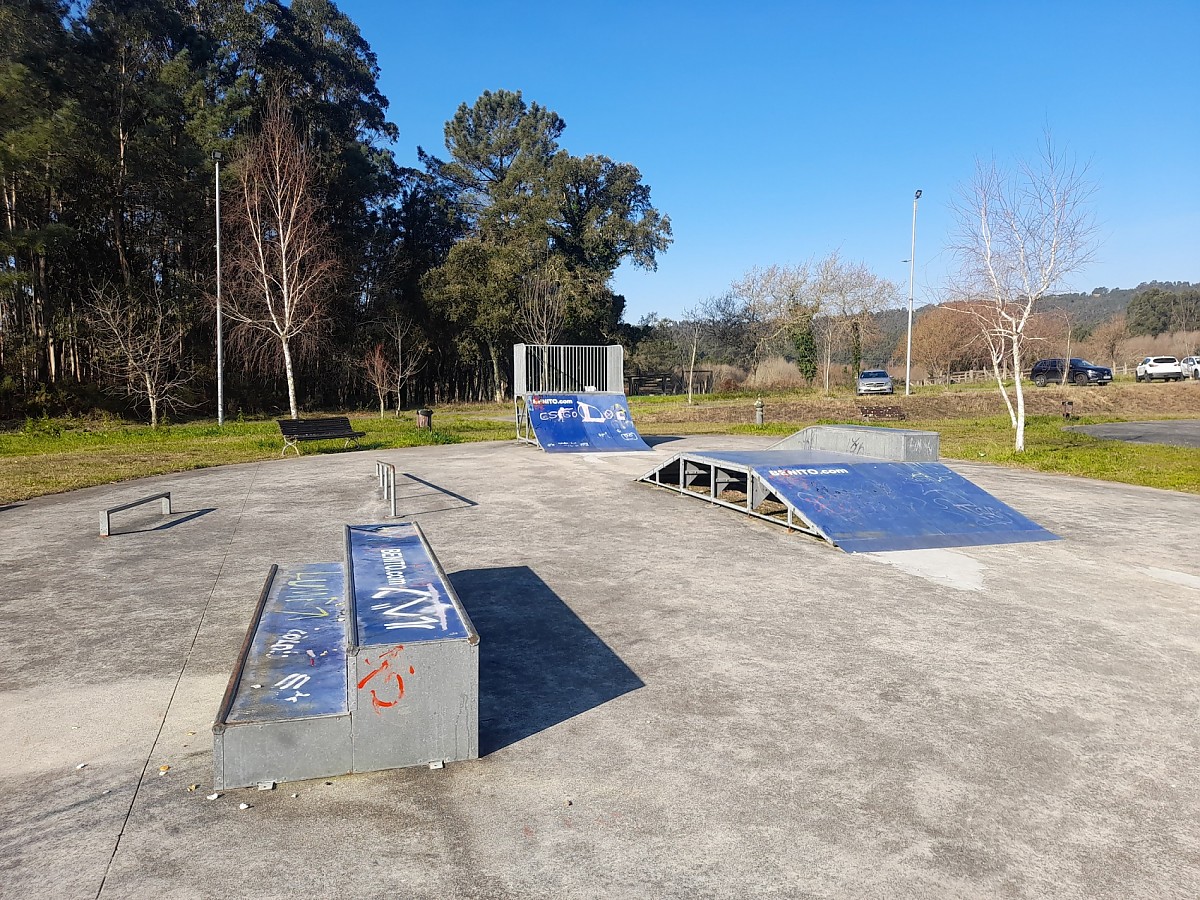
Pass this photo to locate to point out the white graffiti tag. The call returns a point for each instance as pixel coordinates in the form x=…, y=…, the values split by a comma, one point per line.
x=426, y=610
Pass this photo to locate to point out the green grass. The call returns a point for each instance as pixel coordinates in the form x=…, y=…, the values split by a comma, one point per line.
x=1049, y=447
x=51, y=455
x=47, y=456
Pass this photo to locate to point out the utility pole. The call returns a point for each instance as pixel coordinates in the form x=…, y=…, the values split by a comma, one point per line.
x=912, y=261
x=216, y=155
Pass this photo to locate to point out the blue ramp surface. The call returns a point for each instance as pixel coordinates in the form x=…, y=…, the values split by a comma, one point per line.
x=879, y=506
x=297, y=662
x=583, y=423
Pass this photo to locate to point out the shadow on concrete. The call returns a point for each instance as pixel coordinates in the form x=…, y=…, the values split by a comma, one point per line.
x=11, y=506
x=439, y=489
x=655, y=439
x=539, y=663
x=184, y=515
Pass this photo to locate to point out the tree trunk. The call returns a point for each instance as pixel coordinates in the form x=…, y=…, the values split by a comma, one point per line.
x=291, y=380
x=153, y=398
x=1019, y=443
x=497, y=384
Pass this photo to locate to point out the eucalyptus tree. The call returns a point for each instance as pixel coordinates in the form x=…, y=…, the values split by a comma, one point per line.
x=39, y=118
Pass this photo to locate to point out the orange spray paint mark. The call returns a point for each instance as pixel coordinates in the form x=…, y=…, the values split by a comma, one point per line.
x=385, y=669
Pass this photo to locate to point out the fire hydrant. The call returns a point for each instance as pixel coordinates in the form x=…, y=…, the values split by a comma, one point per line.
x=758, y=411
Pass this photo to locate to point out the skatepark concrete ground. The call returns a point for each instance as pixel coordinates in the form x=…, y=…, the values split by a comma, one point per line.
x=675, y=700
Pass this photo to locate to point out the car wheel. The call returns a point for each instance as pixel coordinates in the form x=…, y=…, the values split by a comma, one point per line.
x=1081, y=379
x=1039, y=380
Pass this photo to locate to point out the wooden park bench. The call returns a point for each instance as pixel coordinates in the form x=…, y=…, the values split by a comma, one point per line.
x=882, y=413
x=332, y=428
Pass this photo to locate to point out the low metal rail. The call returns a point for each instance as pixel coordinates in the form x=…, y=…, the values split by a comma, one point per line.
x=106, y=514
x=385, y=473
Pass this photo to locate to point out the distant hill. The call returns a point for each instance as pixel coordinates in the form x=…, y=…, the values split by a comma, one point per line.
x=1086, y=311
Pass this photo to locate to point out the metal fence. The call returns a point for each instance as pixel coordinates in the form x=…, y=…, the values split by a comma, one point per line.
x=550, y=368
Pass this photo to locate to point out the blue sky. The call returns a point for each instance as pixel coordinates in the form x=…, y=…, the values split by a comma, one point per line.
x=777, y=132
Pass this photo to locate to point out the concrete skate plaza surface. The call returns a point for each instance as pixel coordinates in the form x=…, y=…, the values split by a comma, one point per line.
x=676, y=701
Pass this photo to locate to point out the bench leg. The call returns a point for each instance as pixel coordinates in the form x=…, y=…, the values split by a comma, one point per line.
x=295, y=445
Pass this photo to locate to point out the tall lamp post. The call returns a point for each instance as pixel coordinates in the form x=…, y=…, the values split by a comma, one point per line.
x=912, y=260
x=216, y=155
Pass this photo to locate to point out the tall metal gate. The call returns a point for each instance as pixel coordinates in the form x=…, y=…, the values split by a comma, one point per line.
x=551, y=368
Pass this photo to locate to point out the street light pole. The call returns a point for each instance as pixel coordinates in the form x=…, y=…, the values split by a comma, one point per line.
x=220, y=350
x=912, y=261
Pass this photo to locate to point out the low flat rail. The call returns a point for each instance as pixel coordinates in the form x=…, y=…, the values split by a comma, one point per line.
x=106, y=514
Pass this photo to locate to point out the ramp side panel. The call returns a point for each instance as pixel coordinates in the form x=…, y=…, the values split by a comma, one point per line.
x=873, y=507
x=583, y=423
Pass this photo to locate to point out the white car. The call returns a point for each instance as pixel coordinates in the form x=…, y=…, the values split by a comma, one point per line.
x=1191, y=366
x=1163, y=368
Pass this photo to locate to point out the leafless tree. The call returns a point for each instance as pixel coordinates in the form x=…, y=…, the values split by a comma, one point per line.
x=774, y=299
x=846, y=295
x=380, y=373
x=542, y=309
x=941, y=339
x=281, y=262
x=686, y=334
x=1108, y=337
x=139, y=342
x=1018, y=235
x=411, y=353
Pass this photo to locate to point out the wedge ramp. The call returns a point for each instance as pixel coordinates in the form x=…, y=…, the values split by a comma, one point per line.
x=596, y=422
x=857, y=504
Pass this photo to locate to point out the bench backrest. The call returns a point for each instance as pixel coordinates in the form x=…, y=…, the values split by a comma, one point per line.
x=331, y=425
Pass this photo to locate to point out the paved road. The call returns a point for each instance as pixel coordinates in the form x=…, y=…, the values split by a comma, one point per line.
x=676, y=701
x=1178, y=432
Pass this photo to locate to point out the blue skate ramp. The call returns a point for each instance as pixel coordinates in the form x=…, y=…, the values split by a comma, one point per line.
x=582, y=423
x=860, y=504
x=876, y=506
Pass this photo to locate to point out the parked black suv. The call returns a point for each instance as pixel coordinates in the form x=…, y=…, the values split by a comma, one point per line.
x=1047, y=371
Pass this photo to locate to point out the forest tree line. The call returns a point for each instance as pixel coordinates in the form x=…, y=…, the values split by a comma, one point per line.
x=339, y=267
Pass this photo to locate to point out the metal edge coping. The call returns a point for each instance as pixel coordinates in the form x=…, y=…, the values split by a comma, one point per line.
x=472, y=634
x=351, y=608
x=239, y=666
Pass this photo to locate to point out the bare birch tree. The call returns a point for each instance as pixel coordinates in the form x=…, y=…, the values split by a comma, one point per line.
x=686, y=334
x=140, y=343
x=281, y=263
x=1018, y=235
x=412, y=351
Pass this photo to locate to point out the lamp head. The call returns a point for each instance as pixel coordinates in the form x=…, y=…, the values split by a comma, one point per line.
x=216, y=155
x=917, y=195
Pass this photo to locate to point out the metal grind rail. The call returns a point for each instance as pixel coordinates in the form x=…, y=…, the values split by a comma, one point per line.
x=385, y=474
x=106, y=514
